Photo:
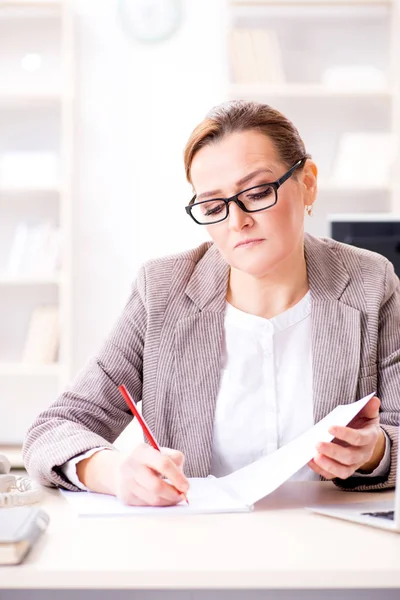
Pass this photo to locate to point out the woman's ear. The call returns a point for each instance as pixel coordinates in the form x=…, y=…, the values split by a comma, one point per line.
x=309, y=176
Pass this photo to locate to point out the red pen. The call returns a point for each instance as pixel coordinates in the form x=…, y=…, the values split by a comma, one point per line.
x=146, y=430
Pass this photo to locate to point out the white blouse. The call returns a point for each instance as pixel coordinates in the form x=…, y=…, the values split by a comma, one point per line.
x=265, y=398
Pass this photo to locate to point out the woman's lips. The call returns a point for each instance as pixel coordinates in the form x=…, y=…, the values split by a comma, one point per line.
x=249, y=243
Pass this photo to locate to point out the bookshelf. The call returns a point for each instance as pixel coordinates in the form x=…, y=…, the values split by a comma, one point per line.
x=332, y=67
x=28, y=281
x=36, y=150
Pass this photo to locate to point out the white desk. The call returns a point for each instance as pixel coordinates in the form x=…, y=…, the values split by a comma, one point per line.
x=279, y=546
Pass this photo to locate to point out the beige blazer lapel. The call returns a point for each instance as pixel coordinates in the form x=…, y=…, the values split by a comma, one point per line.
x=336, y=338
x=198, y=349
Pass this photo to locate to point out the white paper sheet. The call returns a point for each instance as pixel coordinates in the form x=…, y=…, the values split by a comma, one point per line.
x=205, y=496
x=238, y=491
x=265, y=475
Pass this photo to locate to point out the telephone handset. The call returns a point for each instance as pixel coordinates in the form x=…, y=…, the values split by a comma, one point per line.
x=15, y=490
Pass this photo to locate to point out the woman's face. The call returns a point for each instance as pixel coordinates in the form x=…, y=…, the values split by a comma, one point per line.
x=237, y=162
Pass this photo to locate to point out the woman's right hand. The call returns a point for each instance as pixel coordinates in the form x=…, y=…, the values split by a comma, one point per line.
x=137, y=478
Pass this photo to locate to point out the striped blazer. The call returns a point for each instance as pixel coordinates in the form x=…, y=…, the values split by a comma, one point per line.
x=166, y=348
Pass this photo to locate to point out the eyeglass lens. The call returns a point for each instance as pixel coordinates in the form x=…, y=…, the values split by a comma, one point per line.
x=257, y=198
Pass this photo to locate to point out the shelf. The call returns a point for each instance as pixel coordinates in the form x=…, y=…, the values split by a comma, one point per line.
x=7, y=5
x=291, y=9
x=30, y=370
x=302, y=91
x=296, y=3
x=31, y=3
x=331, y=186
x=28, y=100
x=23, y=193
x=22, y=280
x=367, y=216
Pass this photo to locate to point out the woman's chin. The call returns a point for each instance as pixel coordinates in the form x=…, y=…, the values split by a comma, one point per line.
x=252, y=266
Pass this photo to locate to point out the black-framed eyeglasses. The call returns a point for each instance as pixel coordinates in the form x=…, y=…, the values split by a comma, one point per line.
x=254, y=199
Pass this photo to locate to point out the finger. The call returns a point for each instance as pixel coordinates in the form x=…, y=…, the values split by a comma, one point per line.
x=355, y=437
x=175, y=455
x=140, y=496
x=158, y=487
x=333, y=467
x=165, y=466
x=371, y=409
x=317, y=469
x=349, y=455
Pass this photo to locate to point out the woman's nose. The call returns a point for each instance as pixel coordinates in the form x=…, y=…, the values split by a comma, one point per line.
x=237, y=218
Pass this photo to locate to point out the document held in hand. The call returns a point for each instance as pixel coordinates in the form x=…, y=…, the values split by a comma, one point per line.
x=238, y=491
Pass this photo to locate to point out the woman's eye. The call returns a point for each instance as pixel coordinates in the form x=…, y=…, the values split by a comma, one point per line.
x=260, y=194
x=213, y=210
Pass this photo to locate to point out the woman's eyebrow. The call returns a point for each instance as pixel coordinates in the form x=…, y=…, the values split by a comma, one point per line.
x=239, y=183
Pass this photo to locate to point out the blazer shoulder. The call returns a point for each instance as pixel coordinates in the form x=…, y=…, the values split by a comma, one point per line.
x=353, y=254
x=168, y=263
x=373, y=270
x=159, y=275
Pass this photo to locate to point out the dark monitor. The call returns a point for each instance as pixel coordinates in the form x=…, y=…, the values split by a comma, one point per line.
x=379, y=236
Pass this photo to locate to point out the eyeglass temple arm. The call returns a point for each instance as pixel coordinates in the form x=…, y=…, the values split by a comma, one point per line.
x=289, y=173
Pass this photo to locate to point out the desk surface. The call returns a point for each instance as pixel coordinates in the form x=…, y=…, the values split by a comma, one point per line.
x=279, y=545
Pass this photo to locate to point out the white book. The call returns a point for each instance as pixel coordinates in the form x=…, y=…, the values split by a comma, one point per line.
x=236, y=492
x=38, y=235
x=42, y=340
x=255, y=56
x=35, y=250
x=364, y=158
x=44, y=248
x=267, y=56
x=18, y=250
x=354, y=77
x=241, y=56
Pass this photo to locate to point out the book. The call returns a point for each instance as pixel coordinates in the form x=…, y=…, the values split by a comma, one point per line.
x=236, y=492
x=364, y=158
x=35, y=250
x=354, y=78
x=20, y=528
x=255, y=56
x=42, y=340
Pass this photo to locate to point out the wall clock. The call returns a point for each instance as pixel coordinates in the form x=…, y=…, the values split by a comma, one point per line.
x=150, y=21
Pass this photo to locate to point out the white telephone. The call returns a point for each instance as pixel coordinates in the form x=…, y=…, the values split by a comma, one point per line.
x=14, y=490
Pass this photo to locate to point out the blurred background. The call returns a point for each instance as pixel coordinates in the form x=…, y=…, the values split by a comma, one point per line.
x=97, y=100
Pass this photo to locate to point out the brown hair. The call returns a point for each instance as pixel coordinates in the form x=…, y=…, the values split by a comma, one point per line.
x=244, y=115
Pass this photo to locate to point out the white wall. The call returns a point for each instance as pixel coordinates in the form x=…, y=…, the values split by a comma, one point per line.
x=136, y=106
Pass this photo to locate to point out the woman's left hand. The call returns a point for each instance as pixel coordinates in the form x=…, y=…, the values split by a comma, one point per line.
x=360, y=446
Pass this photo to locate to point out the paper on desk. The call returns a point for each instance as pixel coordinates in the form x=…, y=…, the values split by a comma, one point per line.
x=205, y=496
x=236, y=492
x=260, y=478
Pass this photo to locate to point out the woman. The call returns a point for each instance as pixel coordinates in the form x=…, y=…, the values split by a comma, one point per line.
x=240, y=345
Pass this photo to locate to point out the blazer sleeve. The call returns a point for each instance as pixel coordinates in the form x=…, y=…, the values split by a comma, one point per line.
x=91, y=412
x=388, y=371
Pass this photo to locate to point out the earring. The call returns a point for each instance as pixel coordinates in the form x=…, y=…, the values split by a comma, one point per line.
x=308, y=210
